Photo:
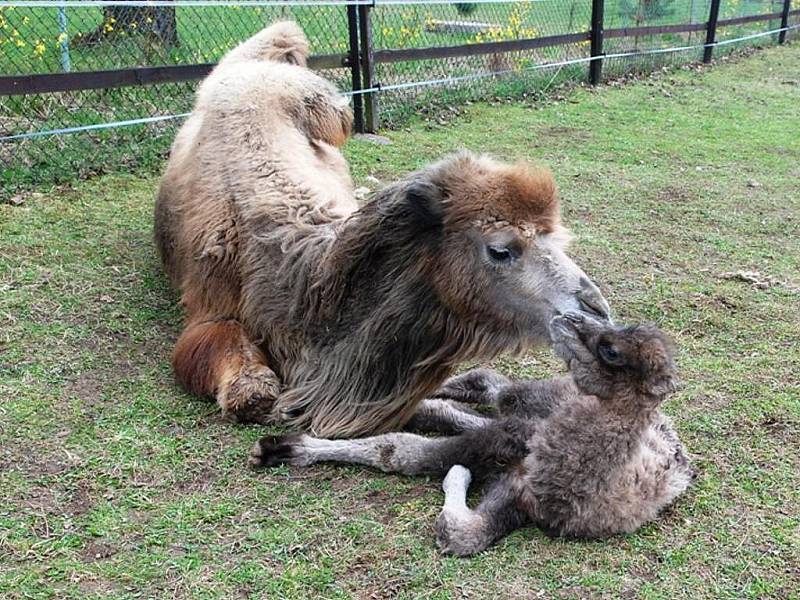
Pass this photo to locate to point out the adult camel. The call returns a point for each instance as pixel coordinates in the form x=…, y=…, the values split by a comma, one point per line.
x=306, y=310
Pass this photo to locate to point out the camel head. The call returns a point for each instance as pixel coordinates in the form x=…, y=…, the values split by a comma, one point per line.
x=496, y=248
x=463, y=260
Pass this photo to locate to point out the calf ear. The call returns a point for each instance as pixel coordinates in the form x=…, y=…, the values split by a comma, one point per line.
x=424, y=202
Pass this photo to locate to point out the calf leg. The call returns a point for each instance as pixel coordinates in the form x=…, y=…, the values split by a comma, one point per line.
x=216, y=358
x=442, y=416
x=405, y=453
x=491, y=449
x=462, y=531
x=478, y=386
x=528, y=399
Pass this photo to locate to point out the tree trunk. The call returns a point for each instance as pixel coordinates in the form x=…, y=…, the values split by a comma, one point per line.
x=159, y=23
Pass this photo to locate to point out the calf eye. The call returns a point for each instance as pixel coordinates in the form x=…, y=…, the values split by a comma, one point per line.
x=610, y=355
x=499, y=253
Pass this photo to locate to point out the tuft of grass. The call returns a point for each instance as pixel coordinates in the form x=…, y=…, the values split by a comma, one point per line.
x=114, y=483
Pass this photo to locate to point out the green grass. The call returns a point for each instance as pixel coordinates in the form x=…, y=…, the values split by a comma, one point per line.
x=114, y=483
x=30, y=42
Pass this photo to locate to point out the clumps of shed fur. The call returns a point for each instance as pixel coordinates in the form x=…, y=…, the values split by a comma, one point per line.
x=589, y=455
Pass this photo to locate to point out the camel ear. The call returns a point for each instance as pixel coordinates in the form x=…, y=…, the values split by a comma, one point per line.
x=425, y=203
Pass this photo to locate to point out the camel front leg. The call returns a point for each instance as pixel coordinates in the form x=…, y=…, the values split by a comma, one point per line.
x=216, y=358
x=462, y=531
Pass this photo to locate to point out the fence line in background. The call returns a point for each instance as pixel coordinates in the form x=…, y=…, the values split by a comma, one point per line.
x=82, y=80
x=229, y=3
x=564, y=63
x=186, y=3
x=399, y=86
x=363, y=51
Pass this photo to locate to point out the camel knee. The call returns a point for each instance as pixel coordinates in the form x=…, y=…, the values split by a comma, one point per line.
x=200, y=355
x=216, y=359
x=248, y=394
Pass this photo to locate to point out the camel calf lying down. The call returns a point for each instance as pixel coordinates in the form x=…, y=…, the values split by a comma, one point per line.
x=588, y=455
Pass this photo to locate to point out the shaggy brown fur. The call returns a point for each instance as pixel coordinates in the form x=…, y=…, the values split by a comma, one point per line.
x=304, y=309
x=589, y=455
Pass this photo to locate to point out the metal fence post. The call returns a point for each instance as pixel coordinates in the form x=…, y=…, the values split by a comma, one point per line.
x=784, y=20
x=711, y=31
x=596, y=66
x=63, y=39
x=354, y=57
x=368, y=68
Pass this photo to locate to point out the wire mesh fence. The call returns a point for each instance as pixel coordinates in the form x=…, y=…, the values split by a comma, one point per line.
x=87, y=37
x=507, y=72
x=94, y=86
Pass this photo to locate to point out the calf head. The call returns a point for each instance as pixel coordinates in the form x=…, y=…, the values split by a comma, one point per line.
x=631, y=364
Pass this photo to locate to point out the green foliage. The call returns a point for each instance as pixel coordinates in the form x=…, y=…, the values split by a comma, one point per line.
x=641, y=11
x=465, y=8
x=99, y=38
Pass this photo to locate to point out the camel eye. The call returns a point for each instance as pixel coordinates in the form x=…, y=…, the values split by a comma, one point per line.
x=499, y=254
x=610, y=355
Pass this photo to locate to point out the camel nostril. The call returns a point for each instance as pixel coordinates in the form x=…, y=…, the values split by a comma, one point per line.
x=592, y=301
x=592, y=308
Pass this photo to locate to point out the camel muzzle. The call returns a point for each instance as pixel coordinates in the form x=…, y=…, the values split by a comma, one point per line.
x=592, y=302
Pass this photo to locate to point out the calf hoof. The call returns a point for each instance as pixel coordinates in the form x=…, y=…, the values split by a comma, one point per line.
x=459, y=535
x=271, y=450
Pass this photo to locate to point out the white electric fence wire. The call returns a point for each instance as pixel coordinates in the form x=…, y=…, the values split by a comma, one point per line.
x=412, y=84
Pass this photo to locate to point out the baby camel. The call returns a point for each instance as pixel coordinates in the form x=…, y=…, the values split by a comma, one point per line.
x=588, y=455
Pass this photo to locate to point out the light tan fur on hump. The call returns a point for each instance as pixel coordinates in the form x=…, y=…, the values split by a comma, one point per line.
x=260, y=149
x=262, y=140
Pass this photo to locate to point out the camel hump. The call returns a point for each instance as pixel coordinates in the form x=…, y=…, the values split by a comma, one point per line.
x=283, y=41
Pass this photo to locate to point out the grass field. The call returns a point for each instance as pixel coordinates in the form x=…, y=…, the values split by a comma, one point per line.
x=114, y=483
